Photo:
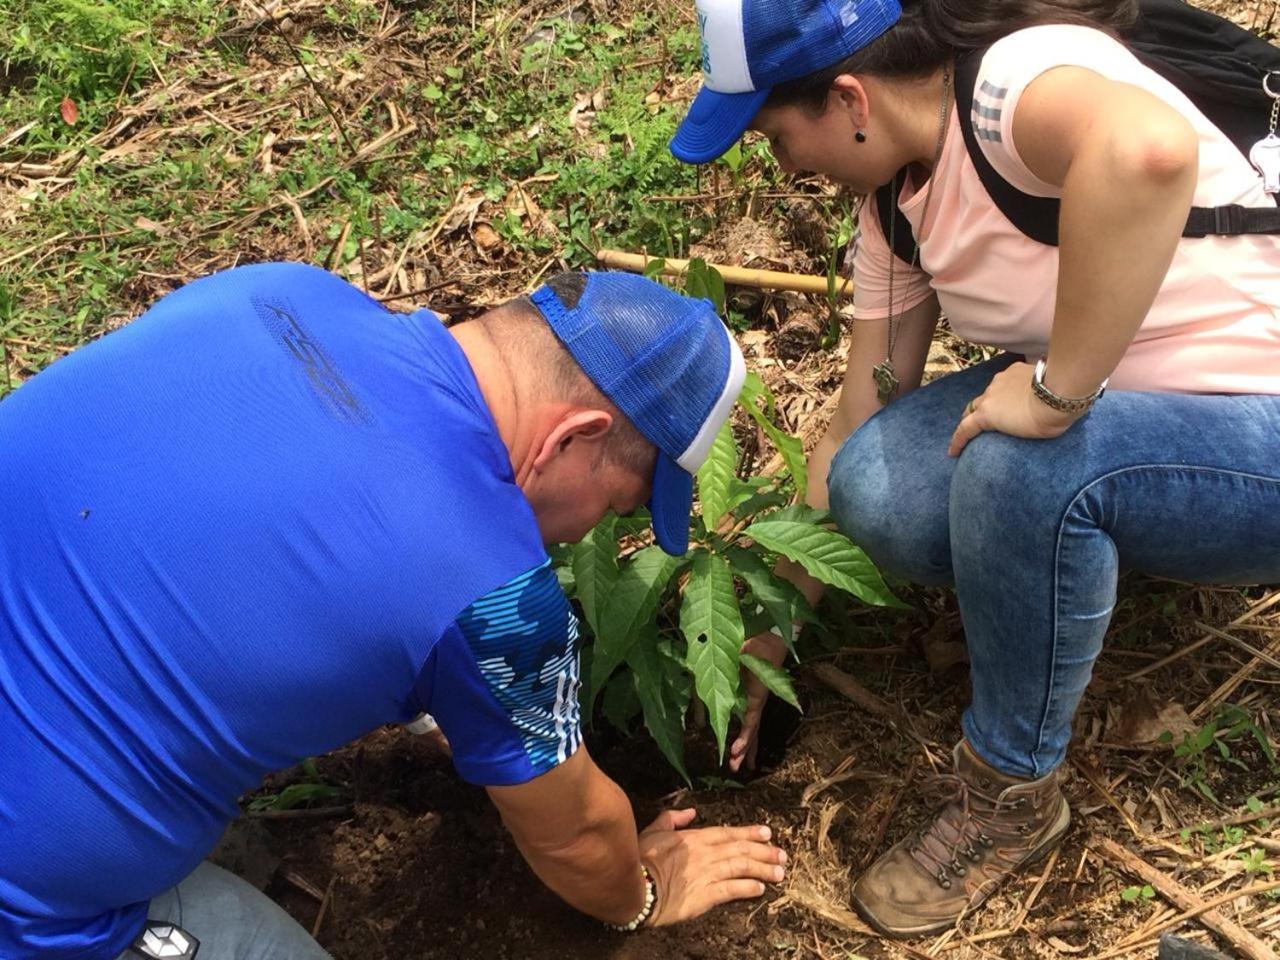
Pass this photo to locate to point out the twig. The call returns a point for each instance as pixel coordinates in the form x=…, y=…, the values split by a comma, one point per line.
x=342, y=132
x=324, y=907
x=35, y=246
x=1229, y=686
x=1272, y=811
x=1264, y=604
x=1035, y=892
x=1188, y=900
x=1246, y=647
x=1265, y=886
x=1089, y=774
x=303, y=884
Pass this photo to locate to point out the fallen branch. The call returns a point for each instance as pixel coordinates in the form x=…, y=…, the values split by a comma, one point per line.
x=1186, y=899
x=738, y=276
x=851, y=689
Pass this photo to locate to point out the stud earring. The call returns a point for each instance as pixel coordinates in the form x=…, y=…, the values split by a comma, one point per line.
x=860, y=136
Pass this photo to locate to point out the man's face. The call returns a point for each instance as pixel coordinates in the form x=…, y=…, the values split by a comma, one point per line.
x=574, y=492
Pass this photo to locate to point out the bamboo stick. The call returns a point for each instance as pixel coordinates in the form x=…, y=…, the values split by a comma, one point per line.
x=737, y=276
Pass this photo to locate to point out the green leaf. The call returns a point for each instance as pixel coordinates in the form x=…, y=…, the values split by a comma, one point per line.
x=620, y=703
x=632, y=604
x=712, y=626
x=789, y=447
x=594, y=560
x=775, y=678
x=801, y=512
x=714, y=476
x=661, y=700
x=653, y=269
x=783, y=602
x=703, y=281
x=827, y=555
x=1130, y=894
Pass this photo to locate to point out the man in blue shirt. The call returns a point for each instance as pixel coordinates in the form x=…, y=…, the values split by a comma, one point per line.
x=269, y=516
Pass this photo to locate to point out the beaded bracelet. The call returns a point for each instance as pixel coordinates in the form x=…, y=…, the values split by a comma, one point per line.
x=650, y=898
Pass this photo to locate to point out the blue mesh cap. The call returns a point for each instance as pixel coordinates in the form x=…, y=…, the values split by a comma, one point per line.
x=751, y=46
x=668, y=363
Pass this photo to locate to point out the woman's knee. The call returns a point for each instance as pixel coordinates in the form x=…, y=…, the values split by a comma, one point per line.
x=880, y=501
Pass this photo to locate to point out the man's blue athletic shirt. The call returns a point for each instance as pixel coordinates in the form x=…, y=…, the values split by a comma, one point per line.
x=256, y=523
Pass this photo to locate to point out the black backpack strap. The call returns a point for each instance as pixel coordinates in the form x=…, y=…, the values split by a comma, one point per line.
x=893, y=222
x=1037, y=217
x=1232, y=221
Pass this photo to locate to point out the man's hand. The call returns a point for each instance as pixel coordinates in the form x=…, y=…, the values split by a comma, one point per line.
x=695, y=870
x=1009, y=405
x=767, y=646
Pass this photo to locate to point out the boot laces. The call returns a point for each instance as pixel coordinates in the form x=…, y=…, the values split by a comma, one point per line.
x=962, y=826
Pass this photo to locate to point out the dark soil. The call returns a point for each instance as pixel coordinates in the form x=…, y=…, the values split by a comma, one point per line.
x=420, y=865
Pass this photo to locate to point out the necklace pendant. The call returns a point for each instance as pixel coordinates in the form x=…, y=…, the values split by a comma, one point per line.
x=886, y=380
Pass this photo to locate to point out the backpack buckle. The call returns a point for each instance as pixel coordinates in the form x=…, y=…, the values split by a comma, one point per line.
x=1228, y=221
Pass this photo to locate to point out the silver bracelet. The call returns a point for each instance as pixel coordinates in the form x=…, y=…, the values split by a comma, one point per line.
x=1065, y=404
x=650, y=898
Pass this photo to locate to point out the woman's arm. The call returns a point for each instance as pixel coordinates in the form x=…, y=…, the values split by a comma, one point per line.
x=1127, y=164
x=858, y=401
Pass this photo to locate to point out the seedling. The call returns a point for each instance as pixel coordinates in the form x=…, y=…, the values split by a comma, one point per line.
x=668, y=629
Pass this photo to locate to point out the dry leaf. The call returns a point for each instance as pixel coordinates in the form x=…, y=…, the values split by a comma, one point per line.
x=146, y=223
x=486, y=237
x=583, y=113
x=1141, y=720
x=70, y=112
x=942, y=649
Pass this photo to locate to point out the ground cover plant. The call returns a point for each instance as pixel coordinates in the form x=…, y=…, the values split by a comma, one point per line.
x=447, y=153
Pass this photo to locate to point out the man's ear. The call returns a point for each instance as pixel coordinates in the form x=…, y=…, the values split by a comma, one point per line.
x=848, y=93
x=575, y=426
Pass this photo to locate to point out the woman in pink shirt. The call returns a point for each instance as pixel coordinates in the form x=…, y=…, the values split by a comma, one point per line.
x=1016, y=480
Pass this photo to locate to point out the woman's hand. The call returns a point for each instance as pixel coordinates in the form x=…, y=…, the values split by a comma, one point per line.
x=766, y=646
x=1009, y=405
x=695, y=870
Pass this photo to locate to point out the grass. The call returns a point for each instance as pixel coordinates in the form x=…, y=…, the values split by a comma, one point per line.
x=403, y=145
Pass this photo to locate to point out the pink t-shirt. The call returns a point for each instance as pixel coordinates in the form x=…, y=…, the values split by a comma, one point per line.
x=1215, y=324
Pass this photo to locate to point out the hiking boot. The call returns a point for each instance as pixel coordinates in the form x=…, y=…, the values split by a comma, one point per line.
x=990, y=826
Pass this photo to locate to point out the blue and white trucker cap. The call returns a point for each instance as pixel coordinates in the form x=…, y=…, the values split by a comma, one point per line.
x=668, y=363
x=751, y=46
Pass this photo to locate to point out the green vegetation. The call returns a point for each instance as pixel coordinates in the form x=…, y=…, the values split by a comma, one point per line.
x=312, y=791
x=361, y=136
x=1214, y=741
x=666, y=629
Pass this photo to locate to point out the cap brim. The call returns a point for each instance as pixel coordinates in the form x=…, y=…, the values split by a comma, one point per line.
x=714, y=123
x=671, y=504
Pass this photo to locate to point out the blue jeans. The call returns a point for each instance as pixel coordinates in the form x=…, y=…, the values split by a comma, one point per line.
x=1033, y=533
x=232, y=920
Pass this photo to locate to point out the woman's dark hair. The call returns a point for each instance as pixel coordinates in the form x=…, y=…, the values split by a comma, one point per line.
x=931, y=32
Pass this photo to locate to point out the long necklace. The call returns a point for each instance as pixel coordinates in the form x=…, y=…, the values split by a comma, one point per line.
x=882, y=373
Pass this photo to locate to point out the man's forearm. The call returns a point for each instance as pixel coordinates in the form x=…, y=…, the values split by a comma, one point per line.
x=597, y=870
